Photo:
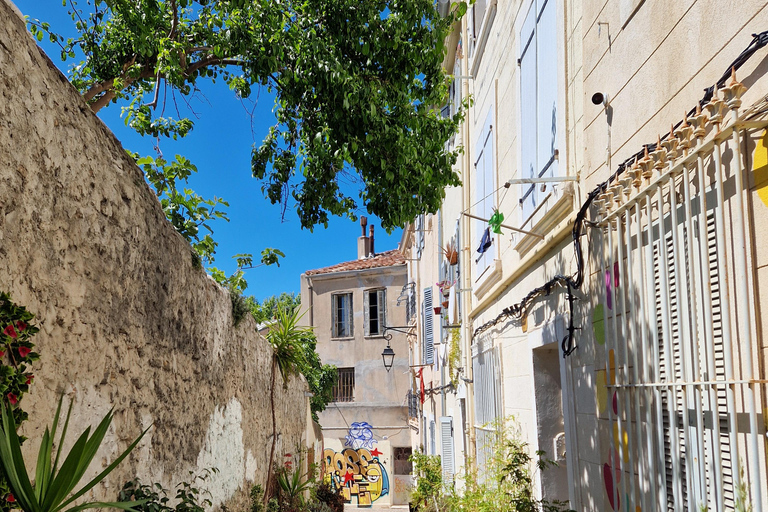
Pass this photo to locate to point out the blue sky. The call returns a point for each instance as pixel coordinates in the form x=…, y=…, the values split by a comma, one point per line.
x=220, y=146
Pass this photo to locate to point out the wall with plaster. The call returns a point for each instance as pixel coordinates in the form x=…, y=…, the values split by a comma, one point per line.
x=127, y=319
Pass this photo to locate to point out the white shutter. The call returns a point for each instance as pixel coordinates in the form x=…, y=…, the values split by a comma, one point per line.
x=446, y=442
x=367, y=312
x=428, y=345
x=528, y=130
x=546, y=87
x=484, y=189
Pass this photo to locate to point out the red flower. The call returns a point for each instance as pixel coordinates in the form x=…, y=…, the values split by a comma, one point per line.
x=10, y=499
x=13, y=399
x=29, y=379
x=24, y=351
x=2, y=353
x=287, y=455
x=10, y=331
x=21, y=325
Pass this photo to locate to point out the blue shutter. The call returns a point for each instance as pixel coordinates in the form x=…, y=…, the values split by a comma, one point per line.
x=484, y=190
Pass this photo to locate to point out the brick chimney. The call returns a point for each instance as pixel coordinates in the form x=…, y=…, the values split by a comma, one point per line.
x=364, y=243
x=371, y=250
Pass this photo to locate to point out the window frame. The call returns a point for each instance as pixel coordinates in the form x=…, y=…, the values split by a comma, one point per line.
x=478, y=33
x=381, y=298
x=344, y=392
x=485, y=151
x=335, y=333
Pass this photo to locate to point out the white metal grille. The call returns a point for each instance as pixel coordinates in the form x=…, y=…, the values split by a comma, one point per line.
x=677, y=314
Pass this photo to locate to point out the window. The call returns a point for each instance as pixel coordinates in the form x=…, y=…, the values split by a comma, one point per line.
x=419, y=235
x=428, y=348
x=374, y=307
x=344, y=390
x=481, y=15
x=484, y=195
x=538, y=100
x=402, y=455
x=342, y=315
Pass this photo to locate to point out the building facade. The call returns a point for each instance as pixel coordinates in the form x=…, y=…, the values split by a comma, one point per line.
x=616, y=311
x=351, y=307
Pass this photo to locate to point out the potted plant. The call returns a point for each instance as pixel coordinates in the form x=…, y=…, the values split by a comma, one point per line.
x=451, y=253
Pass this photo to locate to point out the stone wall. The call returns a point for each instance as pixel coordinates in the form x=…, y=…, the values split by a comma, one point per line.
x=127, y=319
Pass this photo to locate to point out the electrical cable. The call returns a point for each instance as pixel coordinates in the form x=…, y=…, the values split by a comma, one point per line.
x=574, y=282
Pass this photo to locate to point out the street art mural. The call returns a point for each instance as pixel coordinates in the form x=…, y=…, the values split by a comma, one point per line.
x=356, y=471
x=360, y=435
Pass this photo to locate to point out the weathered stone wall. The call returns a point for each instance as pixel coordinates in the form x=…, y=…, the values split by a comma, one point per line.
x=127, y=319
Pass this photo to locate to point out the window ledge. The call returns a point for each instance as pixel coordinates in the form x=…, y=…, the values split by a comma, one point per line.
x=545, y=220
x=342, y=338
x=482, y=39
x=488, y=278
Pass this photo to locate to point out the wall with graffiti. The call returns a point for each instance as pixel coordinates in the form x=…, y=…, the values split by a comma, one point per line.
x=358, y=466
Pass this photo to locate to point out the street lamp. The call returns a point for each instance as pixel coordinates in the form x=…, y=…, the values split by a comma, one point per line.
x=388, y=356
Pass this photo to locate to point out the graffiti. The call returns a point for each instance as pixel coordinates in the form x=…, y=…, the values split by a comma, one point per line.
x=358, y=473
x=360, y=435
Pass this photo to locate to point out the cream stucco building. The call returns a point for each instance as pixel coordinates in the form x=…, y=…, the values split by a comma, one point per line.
x=357, y=310
x=618, y=315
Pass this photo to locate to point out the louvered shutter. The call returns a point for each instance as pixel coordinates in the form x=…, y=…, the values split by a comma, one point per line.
x=367, y=312
x=428, y=339
x=446, y=442
x=381, y=310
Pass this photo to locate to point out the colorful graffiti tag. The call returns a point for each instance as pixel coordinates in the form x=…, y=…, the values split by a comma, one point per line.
x=357, y=473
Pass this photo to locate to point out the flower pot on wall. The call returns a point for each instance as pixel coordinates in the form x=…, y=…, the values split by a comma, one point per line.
x=438, y=309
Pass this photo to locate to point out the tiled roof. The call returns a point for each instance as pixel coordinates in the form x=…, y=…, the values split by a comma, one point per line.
x=384, y=259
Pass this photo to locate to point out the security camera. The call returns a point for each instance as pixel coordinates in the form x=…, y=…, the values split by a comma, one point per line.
x=598, y=98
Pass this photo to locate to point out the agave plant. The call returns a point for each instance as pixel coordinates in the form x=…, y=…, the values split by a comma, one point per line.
x=54, y=485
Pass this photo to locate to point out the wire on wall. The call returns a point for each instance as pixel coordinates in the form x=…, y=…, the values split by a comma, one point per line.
x=574, y=282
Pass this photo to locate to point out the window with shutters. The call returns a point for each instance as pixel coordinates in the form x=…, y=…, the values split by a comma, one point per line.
x=427, y=336
x=344, y=390
x=484, y=243
x=538, y=102
x=374, y=307
x=341, y=311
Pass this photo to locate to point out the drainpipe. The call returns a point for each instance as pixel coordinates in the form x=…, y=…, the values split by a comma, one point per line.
x=311, y=304
x=442, y=337
x=466, y=274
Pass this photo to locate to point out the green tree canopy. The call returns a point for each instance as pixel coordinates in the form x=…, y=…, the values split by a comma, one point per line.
x=358, y=88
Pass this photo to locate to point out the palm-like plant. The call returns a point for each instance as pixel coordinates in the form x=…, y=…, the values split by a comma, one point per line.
x=286, y=337
x=54, y=485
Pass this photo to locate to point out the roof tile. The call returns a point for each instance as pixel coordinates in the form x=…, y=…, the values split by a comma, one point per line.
x=384, y=259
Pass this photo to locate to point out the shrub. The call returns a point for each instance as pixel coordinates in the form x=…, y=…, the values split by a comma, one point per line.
x=154, y=497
